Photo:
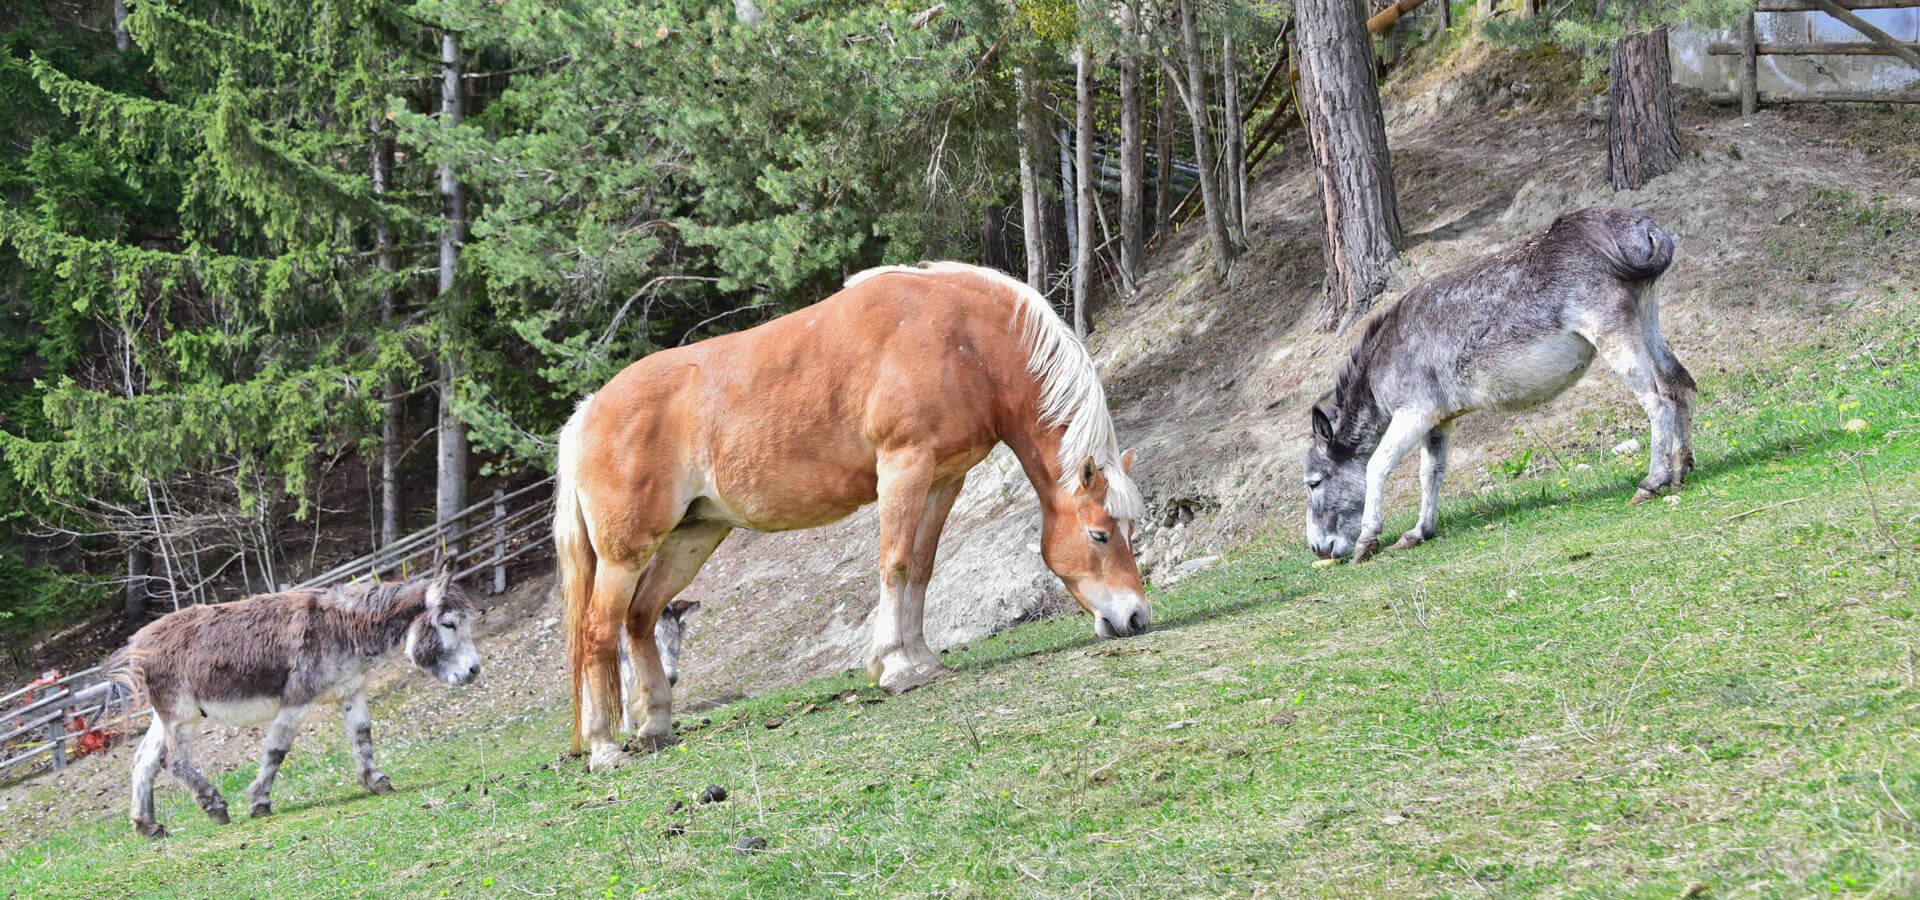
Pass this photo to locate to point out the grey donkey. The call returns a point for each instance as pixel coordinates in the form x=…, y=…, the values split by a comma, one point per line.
x=1506, y=332
x=270, y=659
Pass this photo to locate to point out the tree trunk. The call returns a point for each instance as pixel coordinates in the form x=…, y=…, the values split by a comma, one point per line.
x=1163, y=154
x=1194, y=95
x=1132, y=167
x=391, y=437
x=1349, y=139
x=122, y=41
x=1082, y=187
x=1235, y=155
x=1642, y=141
x=1032, y=226
x=139, y=569
x=451, y=493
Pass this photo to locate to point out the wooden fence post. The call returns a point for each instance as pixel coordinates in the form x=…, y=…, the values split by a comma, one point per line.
x=1749, y=66
x=57, y=733
x=499, y=541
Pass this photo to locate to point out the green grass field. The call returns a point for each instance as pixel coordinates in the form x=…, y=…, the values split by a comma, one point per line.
x=1561, y=694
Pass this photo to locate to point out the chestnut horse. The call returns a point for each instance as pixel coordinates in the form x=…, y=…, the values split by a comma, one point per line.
x=891, y=389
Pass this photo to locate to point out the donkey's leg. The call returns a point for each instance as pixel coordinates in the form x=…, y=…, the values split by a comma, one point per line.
x=1433, y=471
x=353, y=713
x=1407, y=429
x=280, y=734
x=181, y=765
x=649, y=696
x=146, y=763
x=1677, y=382
x=906, y=479
x=1631, y=356
x=613, y=587
x=926, y=545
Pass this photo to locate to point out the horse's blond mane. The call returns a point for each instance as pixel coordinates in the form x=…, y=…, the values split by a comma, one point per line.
x=1070, y=392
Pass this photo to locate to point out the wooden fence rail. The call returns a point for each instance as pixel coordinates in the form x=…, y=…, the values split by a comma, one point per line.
x=1750, y=48
x=44, y=724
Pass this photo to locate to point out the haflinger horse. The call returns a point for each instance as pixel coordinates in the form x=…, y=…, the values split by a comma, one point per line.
x=889, y=390
x=1507, y=332
x=270, y=659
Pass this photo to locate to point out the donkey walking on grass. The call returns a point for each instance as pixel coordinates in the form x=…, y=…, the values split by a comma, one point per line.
x=1510, y=331
x=271, y=658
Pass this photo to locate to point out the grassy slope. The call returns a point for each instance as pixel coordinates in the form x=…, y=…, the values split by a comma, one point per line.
x=1561, y=693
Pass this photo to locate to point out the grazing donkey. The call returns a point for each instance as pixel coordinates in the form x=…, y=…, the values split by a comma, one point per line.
x=272, y=657
x=1507, y=332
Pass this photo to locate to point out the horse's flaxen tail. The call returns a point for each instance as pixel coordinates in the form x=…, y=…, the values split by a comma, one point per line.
x=1634, y=247
x=574, y=560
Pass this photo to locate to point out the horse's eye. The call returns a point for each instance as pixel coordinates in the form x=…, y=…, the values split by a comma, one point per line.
x=1099, y=537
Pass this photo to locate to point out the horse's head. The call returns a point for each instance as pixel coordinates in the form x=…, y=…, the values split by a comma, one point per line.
x=1336, y=475
x=668, y=632
x=1091, y=549
x=440, y=641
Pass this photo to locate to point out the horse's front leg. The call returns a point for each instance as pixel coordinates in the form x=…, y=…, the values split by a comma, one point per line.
x=286, y=723
x=905, y=479
x=1405, y=431
x=926, y=544
x=359, y=724
x=1433, y=471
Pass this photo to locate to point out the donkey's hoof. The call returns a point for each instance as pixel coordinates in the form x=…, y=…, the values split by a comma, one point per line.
x=380, y=785
x=1641, y=495
x=261, y=810
x=219, y=815
x=1366, y=550
x=150, y=829
x=904, y=679
x=1409, y=541
x=606, y=759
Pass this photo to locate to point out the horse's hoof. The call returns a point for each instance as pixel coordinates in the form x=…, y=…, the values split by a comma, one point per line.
x=261, y=810
x=902, y=680
x=606, y=759
x=650, y=743
x=380, y=785
x=153, y=830
x=1366, y=550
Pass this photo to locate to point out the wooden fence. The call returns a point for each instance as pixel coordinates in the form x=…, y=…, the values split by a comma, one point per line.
x=1750, y=48
x=61, y=716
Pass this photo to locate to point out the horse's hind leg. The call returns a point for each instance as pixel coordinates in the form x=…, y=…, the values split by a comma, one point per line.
x=906, y=479
x=613, y=587
x=1632, y=356
x=1433, y=471
x=286, y=723
x=674, y=565
x=146, y=764
x=926, y=545
x=181, y=765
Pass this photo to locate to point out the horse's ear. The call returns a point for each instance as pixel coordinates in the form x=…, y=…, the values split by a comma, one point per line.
x=682, y=607
x=1126, y=461
x=1088, y=472
x=1322, y=426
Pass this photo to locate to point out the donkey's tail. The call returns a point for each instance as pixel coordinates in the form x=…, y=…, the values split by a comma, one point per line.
x=574, y=560
x=1634, y=247
x=126, y=670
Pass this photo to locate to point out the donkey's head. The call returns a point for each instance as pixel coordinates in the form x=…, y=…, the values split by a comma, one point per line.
x=1336, y=475
x=668, y=632
x=440, y=640
x=1089, y=544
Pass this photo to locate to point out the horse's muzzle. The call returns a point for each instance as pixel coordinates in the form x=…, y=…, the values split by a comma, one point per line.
x=1122, y=617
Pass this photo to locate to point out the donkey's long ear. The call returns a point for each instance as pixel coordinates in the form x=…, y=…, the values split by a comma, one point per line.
x=682, y=607
x=442, y=577
x=1322, y=426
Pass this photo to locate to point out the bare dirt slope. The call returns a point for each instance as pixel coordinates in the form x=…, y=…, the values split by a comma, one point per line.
x=1211, y=381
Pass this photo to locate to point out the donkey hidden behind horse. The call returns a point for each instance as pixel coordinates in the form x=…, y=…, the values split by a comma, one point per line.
x=891, y=389
x=271, y=658
x=1510, y=331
